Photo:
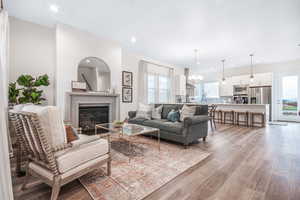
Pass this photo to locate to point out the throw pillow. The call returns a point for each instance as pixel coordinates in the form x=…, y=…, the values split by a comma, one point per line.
x=144, y=111
x=187, y=111
x=166, y=109
x=71, y=134
x=173, y=116
x=156, y=112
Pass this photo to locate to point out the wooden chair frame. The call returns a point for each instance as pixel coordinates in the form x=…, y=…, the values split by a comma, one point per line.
x=212, y=116
x=33, y=139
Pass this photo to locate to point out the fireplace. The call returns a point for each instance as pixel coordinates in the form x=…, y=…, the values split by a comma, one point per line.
x=90, y=115
x=82, y=100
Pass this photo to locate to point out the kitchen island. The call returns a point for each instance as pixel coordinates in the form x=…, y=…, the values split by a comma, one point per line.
x=265, y=108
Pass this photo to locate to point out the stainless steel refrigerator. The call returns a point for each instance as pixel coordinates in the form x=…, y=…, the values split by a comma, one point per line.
x=261, y=95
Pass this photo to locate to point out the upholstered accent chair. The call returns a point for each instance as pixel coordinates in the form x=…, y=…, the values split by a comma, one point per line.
x=50, y=158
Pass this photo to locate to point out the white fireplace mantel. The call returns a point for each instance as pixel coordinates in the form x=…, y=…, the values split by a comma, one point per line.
x=75, y=99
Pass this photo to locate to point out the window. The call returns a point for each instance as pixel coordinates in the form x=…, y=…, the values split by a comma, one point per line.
x=158, y=88
x=164, y=89
x=289, y=95
x=152, y=90
x=211, y=90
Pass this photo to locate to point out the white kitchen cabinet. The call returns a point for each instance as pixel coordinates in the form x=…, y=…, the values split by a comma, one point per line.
x=180, y=85
x=240, y=80
x=226, y=90
x=262, y=79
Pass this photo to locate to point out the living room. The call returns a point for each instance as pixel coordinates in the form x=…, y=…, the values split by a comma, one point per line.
x=121, y=103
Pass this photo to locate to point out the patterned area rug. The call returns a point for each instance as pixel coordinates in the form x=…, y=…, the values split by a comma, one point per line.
x=147, y=170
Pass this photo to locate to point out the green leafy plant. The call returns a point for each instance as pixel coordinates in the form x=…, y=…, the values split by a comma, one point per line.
x=29, y=91
x=13, y=93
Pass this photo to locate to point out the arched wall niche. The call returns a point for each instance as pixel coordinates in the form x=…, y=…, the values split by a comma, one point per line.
x=95, y=72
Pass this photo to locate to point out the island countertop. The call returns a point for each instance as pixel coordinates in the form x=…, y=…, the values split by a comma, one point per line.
x=264, y=108
x=235, y=104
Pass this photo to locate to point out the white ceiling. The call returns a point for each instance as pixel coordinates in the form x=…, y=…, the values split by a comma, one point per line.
x=170, y=30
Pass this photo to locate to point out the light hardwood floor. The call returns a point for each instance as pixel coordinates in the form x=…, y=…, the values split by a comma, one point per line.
x=245, y=164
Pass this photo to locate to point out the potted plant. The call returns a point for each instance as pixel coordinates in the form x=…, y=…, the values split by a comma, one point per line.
x=13, y=94
x=28, y=89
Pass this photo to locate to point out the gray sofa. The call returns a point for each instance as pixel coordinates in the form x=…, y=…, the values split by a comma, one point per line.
x=186, y=132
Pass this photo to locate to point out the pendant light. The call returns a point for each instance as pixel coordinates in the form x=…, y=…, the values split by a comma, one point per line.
x=251, y=67
x=223, y=73
x=197, y=57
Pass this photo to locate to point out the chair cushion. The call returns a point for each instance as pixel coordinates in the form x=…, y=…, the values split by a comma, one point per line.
x=49, y=175
x=82, y=139
x=164, y=125
x=80, y=155
x=51, y=122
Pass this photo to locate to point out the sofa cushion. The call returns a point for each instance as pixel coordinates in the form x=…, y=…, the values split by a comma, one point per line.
x=201, y=110
x=164, y=125
x=137, y=120
x=156, y=112
x=174, y=116
x=51, y=122
x=80, y=155
x=195, y=120
x=144, y=111
x=187, y=111
x=166, y=109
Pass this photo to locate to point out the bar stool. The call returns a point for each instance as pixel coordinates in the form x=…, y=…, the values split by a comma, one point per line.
x=257, y=114
x=245, y=115
x=229, y=113
x=212, y=116
x=219, y=116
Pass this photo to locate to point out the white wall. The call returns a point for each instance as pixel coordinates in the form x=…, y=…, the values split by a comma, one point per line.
x=130, y=62
x=38, y=49
x=32, y=51
x=73, y=45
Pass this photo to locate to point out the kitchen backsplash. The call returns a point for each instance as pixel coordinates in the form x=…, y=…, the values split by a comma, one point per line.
x=218, y=100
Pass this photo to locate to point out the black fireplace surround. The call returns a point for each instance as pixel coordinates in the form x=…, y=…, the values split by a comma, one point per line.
x=90, y=115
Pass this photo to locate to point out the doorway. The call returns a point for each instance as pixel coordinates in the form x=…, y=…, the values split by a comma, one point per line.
x=288, y=97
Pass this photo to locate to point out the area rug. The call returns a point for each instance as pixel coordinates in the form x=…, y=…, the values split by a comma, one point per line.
x=146, y=171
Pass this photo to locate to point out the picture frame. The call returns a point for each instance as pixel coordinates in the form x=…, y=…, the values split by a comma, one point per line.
x=78, y=86
x=127, y=79
x=126, y=95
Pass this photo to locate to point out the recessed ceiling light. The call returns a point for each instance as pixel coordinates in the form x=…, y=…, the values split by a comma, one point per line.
x=87, y=61
x=133, y=40
x=54, y=8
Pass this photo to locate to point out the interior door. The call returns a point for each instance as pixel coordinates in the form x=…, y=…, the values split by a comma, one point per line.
x=288, y=101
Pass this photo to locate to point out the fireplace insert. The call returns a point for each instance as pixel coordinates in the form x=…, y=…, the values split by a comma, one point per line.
x=90, y=115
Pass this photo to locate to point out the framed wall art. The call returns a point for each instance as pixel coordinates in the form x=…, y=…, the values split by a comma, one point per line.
x=127, y=79
x=78, y=86
x=126, y=95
